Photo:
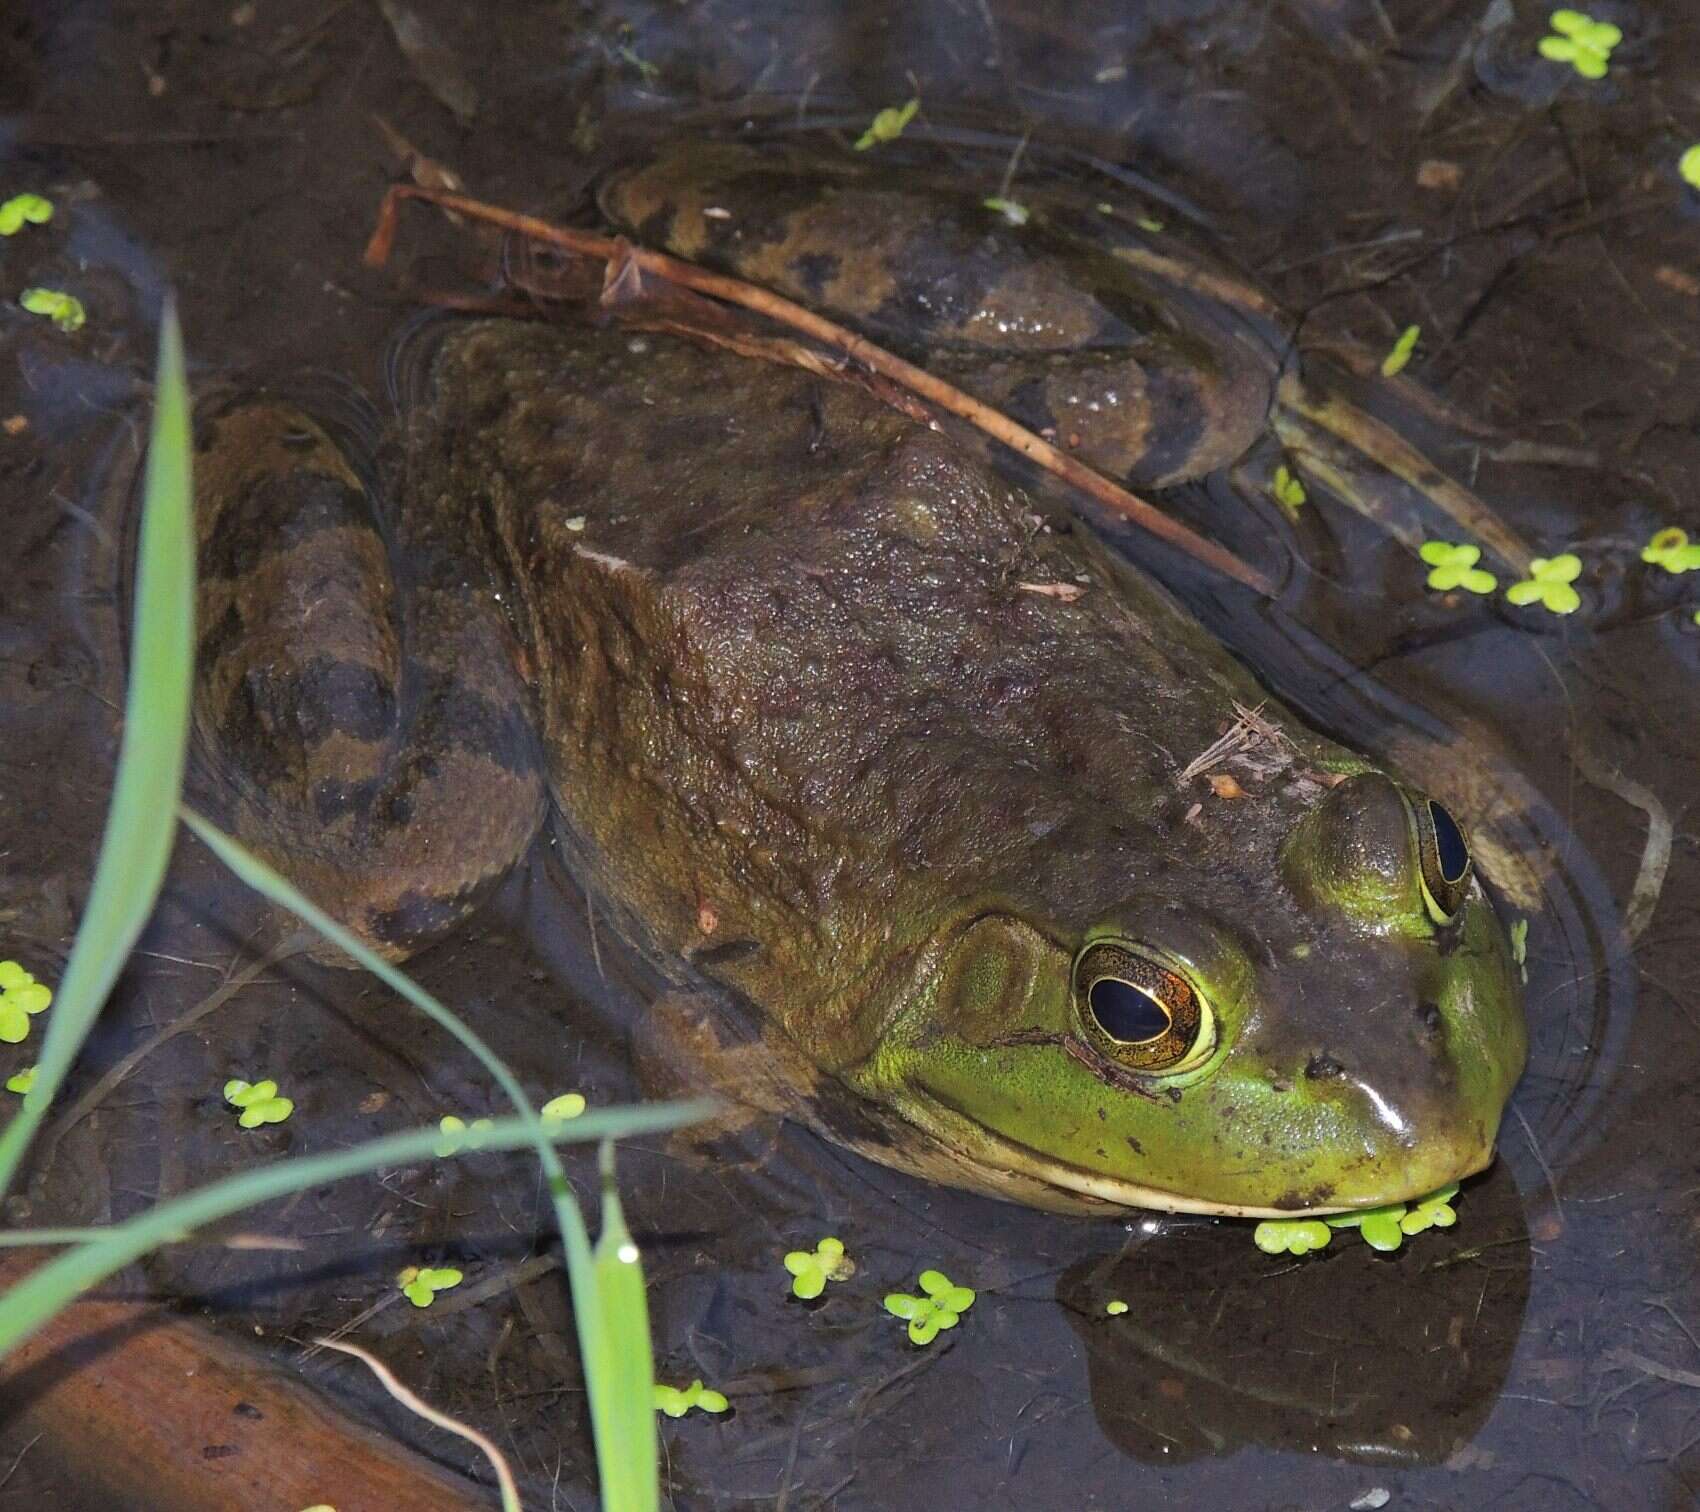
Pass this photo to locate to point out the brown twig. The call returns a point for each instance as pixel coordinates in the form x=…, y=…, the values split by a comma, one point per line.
x=622, y=257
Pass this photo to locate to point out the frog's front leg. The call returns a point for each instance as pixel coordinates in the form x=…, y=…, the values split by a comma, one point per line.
x=691, y=1042
x=360, y=705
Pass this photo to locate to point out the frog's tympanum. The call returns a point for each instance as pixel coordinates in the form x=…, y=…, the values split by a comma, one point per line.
x=839, y=724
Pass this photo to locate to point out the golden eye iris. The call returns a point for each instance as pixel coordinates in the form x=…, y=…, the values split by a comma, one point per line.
x=1139, y=1012
x=1443, y=856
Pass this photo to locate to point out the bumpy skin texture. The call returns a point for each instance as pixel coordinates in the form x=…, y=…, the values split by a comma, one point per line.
x=1141, y=379
x=813, y=735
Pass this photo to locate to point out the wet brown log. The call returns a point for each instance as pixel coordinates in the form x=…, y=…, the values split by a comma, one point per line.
x=146, y=1410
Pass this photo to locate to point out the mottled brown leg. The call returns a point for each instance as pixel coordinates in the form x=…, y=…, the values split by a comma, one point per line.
x=359, y=700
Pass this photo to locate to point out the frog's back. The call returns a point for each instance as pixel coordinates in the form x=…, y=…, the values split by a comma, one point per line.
x=807, y=664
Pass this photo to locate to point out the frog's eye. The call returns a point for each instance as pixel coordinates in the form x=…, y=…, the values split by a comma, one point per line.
x=1140, y=1012
x=1443, y=855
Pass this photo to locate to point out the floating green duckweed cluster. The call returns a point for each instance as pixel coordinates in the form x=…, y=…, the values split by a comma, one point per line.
x=21, y=997
x=1453, y=565
x=458, y=1134
x=64, y=310
x=1291, y=1236
x=1548, y=584
x=1288, y=490
x=888, y=125
x=812, y=1269
x=676, y=1401
x=1393, y=364
x=1671, y=550
x=421, y=1283
x=24, y=210
x=941, y=1307
x=1115, y=1307
x=258, y=1101
x=1582, y=42
x=1688, y=165
x=21, y=1081
x=1382, y=1228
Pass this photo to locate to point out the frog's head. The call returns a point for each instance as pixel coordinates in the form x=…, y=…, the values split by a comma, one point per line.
x=1330, y=1020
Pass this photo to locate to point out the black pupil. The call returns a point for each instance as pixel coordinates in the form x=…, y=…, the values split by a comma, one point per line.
x=1450, y=848
x=1125, y=1012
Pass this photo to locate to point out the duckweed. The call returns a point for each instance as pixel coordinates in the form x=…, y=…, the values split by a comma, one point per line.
x=812, y=1269
x=1671, y=550
x=457, y=1133
x=1378, y=1226
x=1453, y=565
x=421, y=1283
x=941, y=1307
x=1582, y=42
x=560, y=1109
x=1288, y=490
x=1520, y=947
x=1393, y=364
x=1291, y=1236
x=1688, y=165
x=888, y=125
x=1012, y=211
x=64, y=310
x=21, y=1081
x=24, y=209
x=1548, y=584
x=258, y=1101
x=677, y=1401
x=21, y=997
x=1115, y=1307
x=1433, y=1211
x=1382, y=1228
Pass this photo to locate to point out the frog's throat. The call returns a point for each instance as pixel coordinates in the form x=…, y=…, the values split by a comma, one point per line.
x=957, y=1151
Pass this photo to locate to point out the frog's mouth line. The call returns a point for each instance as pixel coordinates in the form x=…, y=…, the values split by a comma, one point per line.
x=1000, y=1164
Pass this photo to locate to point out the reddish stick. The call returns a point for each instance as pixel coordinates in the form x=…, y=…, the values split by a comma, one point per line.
x=763, y=302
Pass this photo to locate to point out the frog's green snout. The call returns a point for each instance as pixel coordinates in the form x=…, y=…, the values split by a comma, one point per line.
x=1415, y=1027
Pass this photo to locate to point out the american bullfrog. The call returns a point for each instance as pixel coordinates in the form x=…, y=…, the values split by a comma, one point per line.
x=840, y=725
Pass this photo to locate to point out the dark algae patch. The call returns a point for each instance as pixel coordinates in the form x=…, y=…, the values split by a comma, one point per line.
x=1370, y=168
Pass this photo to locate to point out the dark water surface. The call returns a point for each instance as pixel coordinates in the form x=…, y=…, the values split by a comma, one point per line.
x=1373, y=163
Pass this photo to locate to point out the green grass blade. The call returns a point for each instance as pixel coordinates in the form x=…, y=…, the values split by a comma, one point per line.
x=141, y=822
x=43, y=1292
x=597, y=1294
x=619, y=1366
x=265, y=881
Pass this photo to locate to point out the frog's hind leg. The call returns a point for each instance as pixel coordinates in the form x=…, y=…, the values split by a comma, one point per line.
x=359, y=703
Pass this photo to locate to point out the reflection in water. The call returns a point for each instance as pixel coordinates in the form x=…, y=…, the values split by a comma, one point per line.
x=1386, y=1359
